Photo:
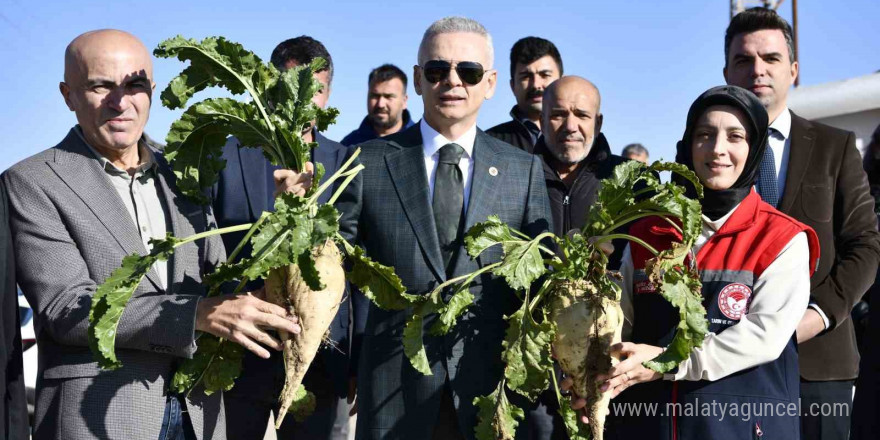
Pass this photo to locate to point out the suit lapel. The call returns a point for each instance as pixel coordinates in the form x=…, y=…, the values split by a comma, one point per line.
x=77, y=166
x=488, y=168
x=326, y=155
x=407, y=169
x=484, y=188
x=801, y=148
x=254, y=167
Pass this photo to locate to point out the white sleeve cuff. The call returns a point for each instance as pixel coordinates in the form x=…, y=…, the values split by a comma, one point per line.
x=815, y=307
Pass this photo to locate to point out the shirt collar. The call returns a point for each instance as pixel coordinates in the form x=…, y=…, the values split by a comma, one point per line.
x=432, y=141
x=147, y=163
x=782, y=123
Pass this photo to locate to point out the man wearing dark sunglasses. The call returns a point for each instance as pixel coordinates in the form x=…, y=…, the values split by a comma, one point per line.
x=421, y=190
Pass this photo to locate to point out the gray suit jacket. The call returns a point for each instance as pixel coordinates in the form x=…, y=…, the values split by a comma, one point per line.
x=386, y=210
x=71, y=231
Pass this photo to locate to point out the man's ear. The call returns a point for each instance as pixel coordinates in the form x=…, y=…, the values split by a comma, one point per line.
x=65, y=92
x=511, y=85
x=724, y=74
x=417, y=80
x=598, y=124
x=795, y=71
x=492, y=80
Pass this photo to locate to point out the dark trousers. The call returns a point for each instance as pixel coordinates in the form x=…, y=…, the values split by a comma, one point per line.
x=543, y=420
x=255, y=395
x=825, y=409
x=446, y=426
x=176, y=424
x=866, y=405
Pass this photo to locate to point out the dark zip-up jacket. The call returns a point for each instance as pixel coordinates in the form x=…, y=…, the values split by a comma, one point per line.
x=571, y=205
x=514, y=132
x=366, y=132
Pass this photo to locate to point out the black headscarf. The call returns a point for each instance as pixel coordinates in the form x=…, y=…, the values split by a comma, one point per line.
x=717, y=203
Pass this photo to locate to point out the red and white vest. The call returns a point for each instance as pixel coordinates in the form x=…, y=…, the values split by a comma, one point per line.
x=729, y=264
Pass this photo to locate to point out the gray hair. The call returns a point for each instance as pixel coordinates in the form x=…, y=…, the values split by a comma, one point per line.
x=448, y=25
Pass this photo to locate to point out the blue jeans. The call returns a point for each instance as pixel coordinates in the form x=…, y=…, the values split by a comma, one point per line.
x=176, y=424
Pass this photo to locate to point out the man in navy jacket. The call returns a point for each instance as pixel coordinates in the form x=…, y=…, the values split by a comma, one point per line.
x=386, y=106
x=244, y=190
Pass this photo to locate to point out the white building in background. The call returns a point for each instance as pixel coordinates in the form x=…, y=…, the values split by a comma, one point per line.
x=852, y=104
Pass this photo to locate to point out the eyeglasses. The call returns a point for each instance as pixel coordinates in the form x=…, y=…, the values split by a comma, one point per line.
x=469, y=71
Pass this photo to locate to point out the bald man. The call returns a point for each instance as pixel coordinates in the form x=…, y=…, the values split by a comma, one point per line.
x=575, y=152
x=576, y=156
x=75, y=211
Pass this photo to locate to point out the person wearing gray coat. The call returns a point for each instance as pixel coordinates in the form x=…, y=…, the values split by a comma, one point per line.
x=75, y=211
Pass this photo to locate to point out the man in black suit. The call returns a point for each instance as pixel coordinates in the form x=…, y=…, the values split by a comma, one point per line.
x=534, y=64
x=813, y=173
x=244, y=190
x=422, y=188
x=13, y=405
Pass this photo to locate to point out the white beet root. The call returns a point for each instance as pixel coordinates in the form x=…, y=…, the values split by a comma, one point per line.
x=315, y=309
x=587, y=325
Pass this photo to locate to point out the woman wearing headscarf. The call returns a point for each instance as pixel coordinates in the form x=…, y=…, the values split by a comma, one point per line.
x=755, y=265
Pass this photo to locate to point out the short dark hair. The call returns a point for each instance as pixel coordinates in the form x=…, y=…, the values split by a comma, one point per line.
x=635, y=148
x=386, y=72
x=301, y=50
x=757, y=19
x=529, y=49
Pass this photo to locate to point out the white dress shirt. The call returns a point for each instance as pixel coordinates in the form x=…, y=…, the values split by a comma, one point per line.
x=432, y=142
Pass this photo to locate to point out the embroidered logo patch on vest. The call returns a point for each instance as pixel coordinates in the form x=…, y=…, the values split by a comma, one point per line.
x=733, y=300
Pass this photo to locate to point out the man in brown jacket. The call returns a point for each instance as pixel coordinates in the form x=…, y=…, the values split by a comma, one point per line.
x=813, y=173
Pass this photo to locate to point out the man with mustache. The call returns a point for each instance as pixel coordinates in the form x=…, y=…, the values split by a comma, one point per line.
x=422, y=188
x=386, y=106
x=576, y=155
x=534, y=64
x=75, y=211
x=812, y=172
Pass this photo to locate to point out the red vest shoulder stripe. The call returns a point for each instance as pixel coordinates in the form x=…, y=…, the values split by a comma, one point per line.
x=749, y=240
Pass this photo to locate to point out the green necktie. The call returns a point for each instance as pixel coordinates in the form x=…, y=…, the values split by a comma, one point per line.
x=448, y=200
